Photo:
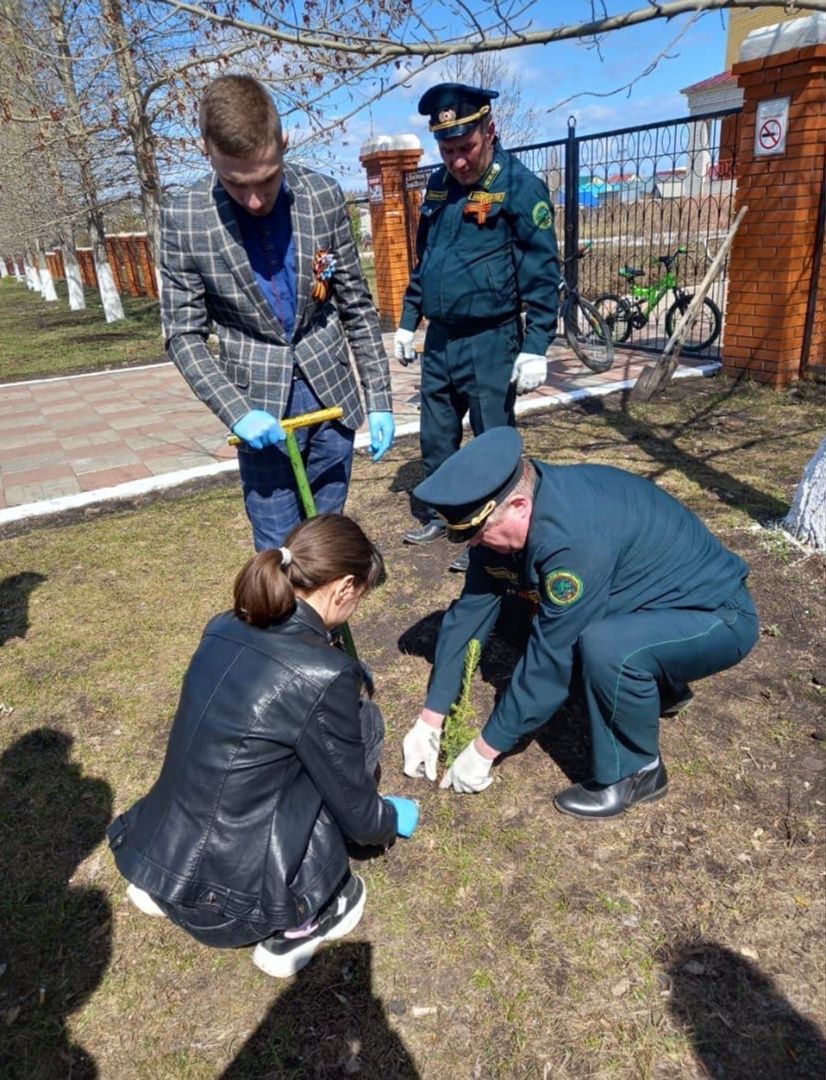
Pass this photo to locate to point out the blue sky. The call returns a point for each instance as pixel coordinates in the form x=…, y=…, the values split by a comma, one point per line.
x=552, y=73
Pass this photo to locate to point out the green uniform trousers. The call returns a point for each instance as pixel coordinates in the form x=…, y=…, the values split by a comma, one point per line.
x=629, y=662
x=461, y=375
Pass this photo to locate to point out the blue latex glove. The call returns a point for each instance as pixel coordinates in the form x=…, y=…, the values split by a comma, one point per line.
x=407, y=812
x=259, y=429
x=382, y=430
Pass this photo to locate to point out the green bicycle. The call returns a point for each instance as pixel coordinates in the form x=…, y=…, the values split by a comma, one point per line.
x=624, y=314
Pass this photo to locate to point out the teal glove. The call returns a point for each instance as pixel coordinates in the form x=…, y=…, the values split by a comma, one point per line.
x=407, y=813
x=382, y=430
x=259, y=429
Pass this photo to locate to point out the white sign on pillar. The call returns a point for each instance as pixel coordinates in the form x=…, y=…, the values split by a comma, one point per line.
x=771, y=127
x=375, y=188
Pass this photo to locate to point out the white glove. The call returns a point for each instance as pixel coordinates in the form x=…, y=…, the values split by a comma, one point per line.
x=403, y=345
x=421, y=750
x=529, y=371
x=469, y=773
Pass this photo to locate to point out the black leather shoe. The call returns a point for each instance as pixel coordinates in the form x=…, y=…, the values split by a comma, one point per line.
x=591, y=800
x=671, y=706
x=461, y=562
x=425, y=534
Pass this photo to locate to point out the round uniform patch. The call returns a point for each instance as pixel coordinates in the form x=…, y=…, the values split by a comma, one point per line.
x=542, y=216
x=563, y=587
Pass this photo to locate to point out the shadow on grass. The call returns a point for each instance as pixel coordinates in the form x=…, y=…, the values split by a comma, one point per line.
x=14, y=603
x=55, y=935
x=327, y=1023
x=663, y=449
x=741, y=1024
x=759, y=505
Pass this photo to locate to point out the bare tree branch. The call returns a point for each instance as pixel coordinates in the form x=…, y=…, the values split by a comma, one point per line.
x=665, y=54
x=389, y=49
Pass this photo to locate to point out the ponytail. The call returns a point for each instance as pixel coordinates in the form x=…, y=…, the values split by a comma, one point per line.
x=319, y=550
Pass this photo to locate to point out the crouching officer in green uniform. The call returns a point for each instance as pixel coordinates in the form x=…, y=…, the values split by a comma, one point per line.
x=485, y=247
x=633, y=590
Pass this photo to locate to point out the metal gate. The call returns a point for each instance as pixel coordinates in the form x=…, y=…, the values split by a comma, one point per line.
x=629, y=196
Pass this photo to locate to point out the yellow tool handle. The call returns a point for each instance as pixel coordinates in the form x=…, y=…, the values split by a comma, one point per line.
x=305, y=420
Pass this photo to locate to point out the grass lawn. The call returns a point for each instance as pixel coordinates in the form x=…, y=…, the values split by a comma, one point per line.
x=504, y=940
x=39, y=339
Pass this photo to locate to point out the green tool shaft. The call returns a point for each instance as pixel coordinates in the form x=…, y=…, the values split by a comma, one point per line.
x=299, y=472
x=308, y=502
x=297, y=462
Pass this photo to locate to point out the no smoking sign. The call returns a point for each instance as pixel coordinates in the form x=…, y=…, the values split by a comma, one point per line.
x=771, y=127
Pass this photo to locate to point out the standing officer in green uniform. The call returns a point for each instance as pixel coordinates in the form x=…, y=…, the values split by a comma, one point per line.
x=632, y=589
x=485, y=247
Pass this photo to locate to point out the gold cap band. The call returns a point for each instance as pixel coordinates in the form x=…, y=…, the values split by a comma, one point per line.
x=461, y=120
x=475, y=521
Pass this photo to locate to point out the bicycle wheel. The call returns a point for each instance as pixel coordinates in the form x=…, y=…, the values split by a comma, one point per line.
x=617, y=314
x=704, y=330
x=588, y=334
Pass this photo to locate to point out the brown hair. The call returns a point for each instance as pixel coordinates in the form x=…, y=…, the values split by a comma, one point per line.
x=323, y=549
x=237, y=116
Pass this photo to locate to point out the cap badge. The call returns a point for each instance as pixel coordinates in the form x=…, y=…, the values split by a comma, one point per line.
x=446, y=116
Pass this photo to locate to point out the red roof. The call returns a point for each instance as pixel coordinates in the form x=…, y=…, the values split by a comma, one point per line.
x=706, y=84
x=620, y=178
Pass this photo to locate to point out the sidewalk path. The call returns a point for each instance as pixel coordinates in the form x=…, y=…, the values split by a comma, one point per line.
x=82, y=439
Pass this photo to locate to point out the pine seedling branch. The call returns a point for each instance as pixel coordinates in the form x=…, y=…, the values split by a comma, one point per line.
x=461, y=725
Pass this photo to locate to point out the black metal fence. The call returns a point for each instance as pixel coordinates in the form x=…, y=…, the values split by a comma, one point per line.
x=632, y=195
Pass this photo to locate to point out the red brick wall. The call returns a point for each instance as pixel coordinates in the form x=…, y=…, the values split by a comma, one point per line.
x=770, y=270
x=385, y=174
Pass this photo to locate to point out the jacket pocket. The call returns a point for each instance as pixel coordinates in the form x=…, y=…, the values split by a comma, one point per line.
x=238, y=374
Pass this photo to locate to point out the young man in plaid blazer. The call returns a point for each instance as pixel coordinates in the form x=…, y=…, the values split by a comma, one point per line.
x=260, y=253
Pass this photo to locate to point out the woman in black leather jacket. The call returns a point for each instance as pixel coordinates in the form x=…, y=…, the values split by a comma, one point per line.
x=270, y=763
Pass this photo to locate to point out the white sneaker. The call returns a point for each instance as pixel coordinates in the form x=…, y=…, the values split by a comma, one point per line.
x=144, y=902
x=282, y=957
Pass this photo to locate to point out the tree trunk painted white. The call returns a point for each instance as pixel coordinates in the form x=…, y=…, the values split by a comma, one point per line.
x=46, y=279
x=71, y=267
x=806, y=521
x=32, y=276
x=109, y=295
x=3, y=271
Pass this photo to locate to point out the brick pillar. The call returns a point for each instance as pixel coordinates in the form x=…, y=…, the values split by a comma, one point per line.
x=770, y=270
x=385, y=160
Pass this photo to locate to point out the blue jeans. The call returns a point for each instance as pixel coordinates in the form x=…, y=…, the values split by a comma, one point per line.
x=271, y=496
x=220, y=930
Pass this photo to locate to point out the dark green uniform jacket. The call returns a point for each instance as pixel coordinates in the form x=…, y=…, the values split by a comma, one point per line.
x=601, y=542
x=472, y=270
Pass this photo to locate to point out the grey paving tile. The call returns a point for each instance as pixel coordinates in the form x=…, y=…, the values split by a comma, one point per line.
x=18, y=495
x=20, y=439
x=54, y=488
x=158, y=466
x=27, y=462
x=92, y=438
x=111, y=459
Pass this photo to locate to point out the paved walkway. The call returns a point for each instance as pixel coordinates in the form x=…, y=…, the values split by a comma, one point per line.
x=82, y=439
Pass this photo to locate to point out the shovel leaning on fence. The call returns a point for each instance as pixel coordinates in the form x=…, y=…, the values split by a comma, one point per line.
x=299, y=472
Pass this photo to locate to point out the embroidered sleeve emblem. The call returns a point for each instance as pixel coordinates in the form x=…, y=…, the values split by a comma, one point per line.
x=543, y=216
x=563, y=587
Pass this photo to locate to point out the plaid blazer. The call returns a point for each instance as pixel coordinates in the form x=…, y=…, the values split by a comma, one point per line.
x=209, y=285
